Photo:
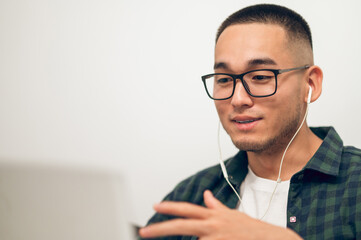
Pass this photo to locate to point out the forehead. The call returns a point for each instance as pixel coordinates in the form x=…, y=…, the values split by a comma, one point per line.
x=241, y=44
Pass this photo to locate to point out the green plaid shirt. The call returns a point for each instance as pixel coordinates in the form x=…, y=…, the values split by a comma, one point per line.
x=324, y=200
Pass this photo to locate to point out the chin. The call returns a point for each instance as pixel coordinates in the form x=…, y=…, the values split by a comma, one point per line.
x=249, y=143
x=251, y=146
x=265, y=144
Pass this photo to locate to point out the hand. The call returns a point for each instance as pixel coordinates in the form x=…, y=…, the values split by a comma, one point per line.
x=214, y=222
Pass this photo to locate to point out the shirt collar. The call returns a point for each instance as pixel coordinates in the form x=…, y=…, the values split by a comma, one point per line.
x=237, y=168
x=327, y=159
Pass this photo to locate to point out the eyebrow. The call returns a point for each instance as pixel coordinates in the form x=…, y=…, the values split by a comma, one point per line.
x=250, y=63
x=261, y=61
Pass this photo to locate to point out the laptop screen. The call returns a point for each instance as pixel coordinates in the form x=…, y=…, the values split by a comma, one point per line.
x=58, y=203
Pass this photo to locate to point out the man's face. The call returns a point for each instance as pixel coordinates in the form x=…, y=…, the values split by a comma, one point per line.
x=259, y=124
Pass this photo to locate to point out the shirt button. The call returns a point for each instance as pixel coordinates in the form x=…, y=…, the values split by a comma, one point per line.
x=293, y=219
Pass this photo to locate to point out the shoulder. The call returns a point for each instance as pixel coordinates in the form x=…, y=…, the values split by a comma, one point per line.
x=352, y=152
x=350, y=175
x=191, y=189
x=351, y=158
x=351, y=168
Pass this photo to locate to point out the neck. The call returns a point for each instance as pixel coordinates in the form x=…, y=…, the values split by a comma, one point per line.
x=303, y=147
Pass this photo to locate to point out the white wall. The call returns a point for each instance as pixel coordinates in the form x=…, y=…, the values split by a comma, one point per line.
x=116, y=84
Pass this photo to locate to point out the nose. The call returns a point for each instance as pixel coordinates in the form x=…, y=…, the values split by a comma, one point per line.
x=240, y=97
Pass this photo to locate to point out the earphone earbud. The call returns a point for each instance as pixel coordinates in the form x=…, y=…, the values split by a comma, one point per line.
x=309, y=95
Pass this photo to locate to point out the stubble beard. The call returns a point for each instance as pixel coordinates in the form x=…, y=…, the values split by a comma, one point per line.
x=274, y=143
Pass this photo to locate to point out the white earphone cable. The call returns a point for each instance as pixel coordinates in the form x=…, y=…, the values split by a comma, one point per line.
x=280, y=168
x=224, y=171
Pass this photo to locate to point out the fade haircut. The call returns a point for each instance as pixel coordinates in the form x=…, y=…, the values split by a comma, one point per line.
x=293, y=23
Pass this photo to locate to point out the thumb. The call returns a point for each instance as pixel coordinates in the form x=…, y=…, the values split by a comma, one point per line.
x=212, y=202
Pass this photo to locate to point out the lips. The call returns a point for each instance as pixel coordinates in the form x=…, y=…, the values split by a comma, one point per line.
x=245, y=119
x=245, y=123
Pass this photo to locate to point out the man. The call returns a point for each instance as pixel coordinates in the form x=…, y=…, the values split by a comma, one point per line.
x=294, y=182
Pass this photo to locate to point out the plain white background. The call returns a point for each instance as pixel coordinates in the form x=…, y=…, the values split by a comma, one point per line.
x=116, y=84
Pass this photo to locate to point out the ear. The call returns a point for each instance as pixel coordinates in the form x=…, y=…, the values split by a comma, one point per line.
x=314, y=78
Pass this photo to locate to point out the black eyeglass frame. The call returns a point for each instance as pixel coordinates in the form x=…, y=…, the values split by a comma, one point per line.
x=276, y=72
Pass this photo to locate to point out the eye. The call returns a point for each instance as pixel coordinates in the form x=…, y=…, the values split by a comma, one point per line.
x=262, y=77
x=223, y=80
x=259, y=76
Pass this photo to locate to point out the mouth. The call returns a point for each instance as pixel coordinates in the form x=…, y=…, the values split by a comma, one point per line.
x=246, y=121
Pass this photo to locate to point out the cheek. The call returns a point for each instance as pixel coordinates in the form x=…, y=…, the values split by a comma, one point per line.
x=285, y=111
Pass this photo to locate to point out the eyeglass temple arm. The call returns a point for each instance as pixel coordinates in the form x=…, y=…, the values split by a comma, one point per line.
x=291, y=69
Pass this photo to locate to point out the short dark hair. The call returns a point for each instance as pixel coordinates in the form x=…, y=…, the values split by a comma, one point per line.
x=294, y=24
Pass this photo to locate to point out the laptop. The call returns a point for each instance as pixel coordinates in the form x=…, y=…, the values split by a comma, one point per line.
x=47, y=202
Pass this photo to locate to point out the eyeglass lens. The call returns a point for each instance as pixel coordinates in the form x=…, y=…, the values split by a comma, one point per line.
x=257, y=83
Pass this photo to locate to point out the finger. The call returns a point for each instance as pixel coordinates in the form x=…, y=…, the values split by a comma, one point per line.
x=212, y=202
x=182, y=209
x=172, y=228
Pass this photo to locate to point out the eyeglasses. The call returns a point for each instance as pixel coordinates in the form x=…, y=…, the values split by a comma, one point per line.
x=258, y=83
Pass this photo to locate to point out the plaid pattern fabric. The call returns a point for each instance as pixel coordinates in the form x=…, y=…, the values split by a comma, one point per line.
x=324, y=200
